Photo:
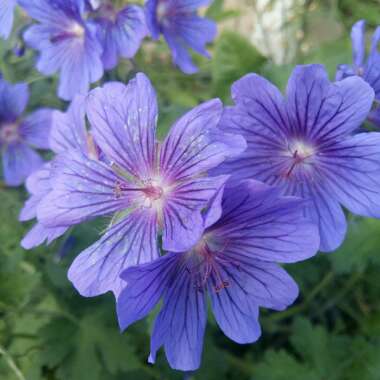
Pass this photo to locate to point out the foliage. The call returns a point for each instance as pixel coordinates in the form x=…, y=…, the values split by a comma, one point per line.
x=48, y=332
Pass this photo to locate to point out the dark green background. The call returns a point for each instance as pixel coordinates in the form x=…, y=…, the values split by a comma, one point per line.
x=332, y=332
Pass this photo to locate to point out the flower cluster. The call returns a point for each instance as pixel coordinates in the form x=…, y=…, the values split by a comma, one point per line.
x=211, y=211
x=81, y=38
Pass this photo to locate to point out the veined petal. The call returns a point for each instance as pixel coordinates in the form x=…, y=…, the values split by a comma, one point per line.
x=183, y=223
x=180, y=325
x=123, y=36
x=82, y=64
x=263, y=105
x=6, y=17
x=19, y=161
x=260, y=224
x=69, y=129
x=326, y=212
x=144, y=286
x=82, y=189
x=39, y=234
x=35, y=128
x=131, y=241
x=123, y=120
x=321, y=111
x=13, y=100
x=358, y=42
x=352, y=171
x=195, y=145
x=235, y=310
x=268, y=284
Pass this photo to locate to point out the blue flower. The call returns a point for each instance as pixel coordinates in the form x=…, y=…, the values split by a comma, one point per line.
x=150, y=188
x=66, y=42
x=68, y=132
x=368, y=67
x=6, y=17
x=120, y=32
x=249, y=229
x=307, y=145
x=181, y=27
x=18, y=135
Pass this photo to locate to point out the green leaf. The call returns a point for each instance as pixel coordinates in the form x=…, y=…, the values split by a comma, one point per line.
x=281, y=365
x=360, y=248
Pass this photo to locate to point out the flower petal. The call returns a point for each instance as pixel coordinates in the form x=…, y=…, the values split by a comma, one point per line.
x=69, y=128
x=81, y=66
x=39, y=234
x=352, y=171
x=321, y=111
x=131, y=241
x=358, y=42
x=268, y=283
x=144, y=286
x=195, y=145
x=6, y=17
x=328, y=215
x=123, y=36
x=82, y=189
x=19, y=161
x=13, y=100
x=260, y=224
x=236, y=312
x=123, y=120
x=35, y=128
x=181, y=323
x=183, y=222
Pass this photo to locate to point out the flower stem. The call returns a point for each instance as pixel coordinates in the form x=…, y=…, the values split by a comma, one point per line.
x=12, y=365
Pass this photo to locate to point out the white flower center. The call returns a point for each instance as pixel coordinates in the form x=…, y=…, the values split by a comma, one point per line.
x=9, y=133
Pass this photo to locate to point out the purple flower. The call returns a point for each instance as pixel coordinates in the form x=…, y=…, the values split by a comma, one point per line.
x=366, y=67
x=38, y=185
x=66, y=44
x=6, y=17
x=151, y=188
x=248, y=231
x=68, y=132
x=305, y=144
x=19, y=135
x=182, y=28
x=120, y=32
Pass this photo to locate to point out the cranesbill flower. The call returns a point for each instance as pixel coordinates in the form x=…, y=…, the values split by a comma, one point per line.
x=248, y=232
x=120, y=32
x=154, y=188
x=368, y=67
x=18, y=136
x=38, y=185
x=6, y=17
x=66, y=43
x=305, y=144
x=68, y=132
x=182, y=29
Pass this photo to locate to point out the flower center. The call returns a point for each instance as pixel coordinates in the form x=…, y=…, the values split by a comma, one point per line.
x=299, y=152
x=153, y=192
x=9, y=133
x=76, y=30
x=205, y=263
x=149, y=194
x=162, y=9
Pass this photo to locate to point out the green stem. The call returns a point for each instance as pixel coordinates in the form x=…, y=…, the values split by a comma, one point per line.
x=12, y=365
